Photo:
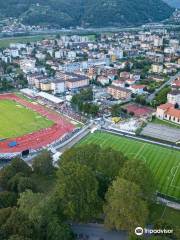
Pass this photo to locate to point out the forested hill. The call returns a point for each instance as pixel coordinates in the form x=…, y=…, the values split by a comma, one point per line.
x=96, y=13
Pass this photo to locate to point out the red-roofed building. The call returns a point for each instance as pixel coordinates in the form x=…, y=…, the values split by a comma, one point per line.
x=168, y=112
x=130, y=81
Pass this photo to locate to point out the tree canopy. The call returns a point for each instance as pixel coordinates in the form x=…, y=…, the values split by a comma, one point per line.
x=124, y=208
x=137, y=172
x=77, y=190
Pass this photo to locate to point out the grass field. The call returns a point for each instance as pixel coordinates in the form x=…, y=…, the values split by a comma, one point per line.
x=5, y=42
x=164, y=162
x=165, y=122
x=16, y=120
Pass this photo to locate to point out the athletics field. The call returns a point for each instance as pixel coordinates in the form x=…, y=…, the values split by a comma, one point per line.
x=164, y=162
x=17, y=120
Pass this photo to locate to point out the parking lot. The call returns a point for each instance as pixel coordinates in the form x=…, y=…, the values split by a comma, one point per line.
x=161, y=132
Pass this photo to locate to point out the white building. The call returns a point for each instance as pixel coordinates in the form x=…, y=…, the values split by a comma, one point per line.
x=174, y=97
x=14, y=52
x=27, y=65
x=157, y=68
x=174, y=43
x=40, y=56
x=58, y=86
x=71, y=55
x=158, y=42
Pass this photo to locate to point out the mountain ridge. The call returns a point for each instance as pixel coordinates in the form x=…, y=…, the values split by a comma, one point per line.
x=88, y=13
x=173, y=3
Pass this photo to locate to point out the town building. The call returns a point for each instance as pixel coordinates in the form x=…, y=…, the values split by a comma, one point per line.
x=157, y=68
x=119, y=93
x=168, y=112
x=174, y=97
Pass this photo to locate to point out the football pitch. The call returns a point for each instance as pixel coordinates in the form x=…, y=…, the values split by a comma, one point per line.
x=164, y=162
x=16, y=120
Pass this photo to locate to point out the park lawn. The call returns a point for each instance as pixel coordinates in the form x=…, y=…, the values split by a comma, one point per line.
x=17, y=120
x=164, y=162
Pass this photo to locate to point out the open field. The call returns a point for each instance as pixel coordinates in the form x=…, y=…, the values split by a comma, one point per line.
x=164, y=162
x=5, y=42
x=16, y=120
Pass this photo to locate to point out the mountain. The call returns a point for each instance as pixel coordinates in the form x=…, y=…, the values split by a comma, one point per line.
x=97, y=13
x=173, y=3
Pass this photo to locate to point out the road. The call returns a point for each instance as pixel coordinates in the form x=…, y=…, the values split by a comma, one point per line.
x=97, y=232
x=152, y=96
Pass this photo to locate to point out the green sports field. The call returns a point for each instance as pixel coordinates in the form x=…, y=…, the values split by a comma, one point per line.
x=16, y=120
x=164, y=162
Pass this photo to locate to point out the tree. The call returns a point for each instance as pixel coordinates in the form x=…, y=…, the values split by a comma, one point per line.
x=57, y=230
x=26, y=183
x=161, y=96
x=77, y=190
x=162, y=224
x=43, y=164
x=137, y=172
x=18, y=237
x=28, y=201
x=106, y=163
x=18, y=224
x=94, y=109
x=19, y=183
x=87, y=155
x=21, y=166
x=7, y=199
x=81, y=103
x=116, y=110
x=141, y=99
x=124, y=208
x=5, y=213
x=17, y=166
x=43, y=211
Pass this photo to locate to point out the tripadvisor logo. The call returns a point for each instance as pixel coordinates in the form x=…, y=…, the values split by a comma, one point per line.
x=140, y=231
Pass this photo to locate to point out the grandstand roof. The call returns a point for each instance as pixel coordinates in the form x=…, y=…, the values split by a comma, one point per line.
x=50, y=97
x=29, y=92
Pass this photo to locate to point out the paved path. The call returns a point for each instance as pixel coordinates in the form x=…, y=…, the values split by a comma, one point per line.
x=97, y=232
x=74, y=141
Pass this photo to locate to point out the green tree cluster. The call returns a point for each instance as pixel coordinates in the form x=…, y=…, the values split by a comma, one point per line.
x=161, y=96
x=26, y=213
x=82, y=102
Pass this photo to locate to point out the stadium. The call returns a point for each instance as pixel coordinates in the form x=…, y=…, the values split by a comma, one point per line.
x=27, y=127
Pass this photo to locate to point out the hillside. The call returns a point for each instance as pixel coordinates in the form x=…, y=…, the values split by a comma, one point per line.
x=65, y=13
x=173, y=3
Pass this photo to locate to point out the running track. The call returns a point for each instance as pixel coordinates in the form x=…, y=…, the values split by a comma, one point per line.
x=41, y=138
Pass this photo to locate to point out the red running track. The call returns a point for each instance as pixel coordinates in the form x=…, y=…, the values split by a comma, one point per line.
x=41, y=138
